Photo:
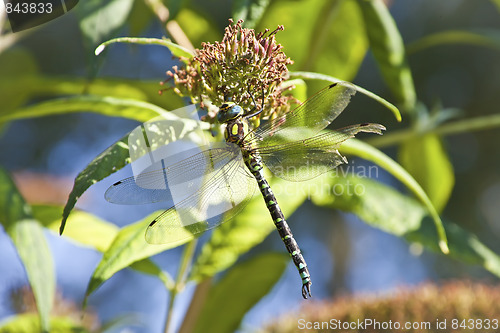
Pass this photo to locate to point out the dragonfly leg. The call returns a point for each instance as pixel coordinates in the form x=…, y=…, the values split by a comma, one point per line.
x=306, y=289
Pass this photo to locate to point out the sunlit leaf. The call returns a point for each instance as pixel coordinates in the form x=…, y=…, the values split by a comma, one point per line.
x=387, y=47
x=83, y=228
x=426, y=160
x=128, y=247
x=31, y=246
x=238, y=291
x=30, y=86
x=89, y=230
x=177, y=50
x=109, y=106
x=29, y=323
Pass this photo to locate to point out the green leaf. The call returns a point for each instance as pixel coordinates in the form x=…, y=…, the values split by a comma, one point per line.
x=128, y=247
x=389, y=52
x=385, y=208
x=238, y=291
x=38, y=86
x=32, y=248
x=377, y=204
x=141, y=17
x=464, y=246
x=331, y=79
x=197, y=26
x=496, y=3
x=426, y=160
x=109, y=106
x=109, y=161
x=117, y=156
x=248, y=228
x=250, y=11
x=486, y=38
x=320, y=35
x=87, y=229
x=84, y=228
x=100, y=19
x=367, y=152
x=177, y=50
x=14, y=63
x=29, y=323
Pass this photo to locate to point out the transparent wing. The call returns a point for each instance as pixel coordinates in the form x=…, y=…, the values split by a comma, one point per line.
x=309, y=158
x=307, y=119
x=218, y=200
x=160, y=183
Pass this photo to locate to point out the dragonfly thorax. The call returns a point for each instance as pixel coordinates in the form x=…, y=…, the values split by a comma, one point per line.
x=231, y=114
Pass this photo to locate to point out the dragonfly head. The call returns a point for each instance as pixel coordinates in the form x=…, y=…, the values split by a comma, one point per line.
x=229, y=111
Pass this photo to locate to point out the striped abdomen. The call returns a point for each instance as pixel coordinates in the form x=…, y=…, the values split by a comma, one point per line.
x=254, y=164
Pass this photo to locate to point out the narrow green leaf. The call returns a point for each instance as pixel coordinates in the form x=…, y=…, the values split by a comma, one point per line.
x=28, y=86
x=250, y=11
x=248, y=228
x=32, y=248
x=238, y=291
x=426, y=160
x=29, y=323
x=367, y=152
x=388, y=49
x=486, y=38
x=331, y=79
x=109, y=106
x=455, y=127
x=177, y=50
x=100, y=19
x=128, y=247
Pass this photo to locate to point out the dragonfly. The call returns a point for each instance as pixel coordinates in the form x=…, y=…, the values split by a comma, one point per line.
x=211, y=185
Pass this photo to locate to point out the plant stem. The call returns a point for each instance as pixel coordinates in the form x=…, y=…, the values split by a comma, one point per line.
x=466, y=125
x=173, y=28
x=186, y=259
x=196, y=305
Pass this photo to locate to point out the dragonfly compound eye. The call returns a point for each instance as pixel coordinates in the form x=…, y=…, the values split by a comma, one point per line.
x=229, y=111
